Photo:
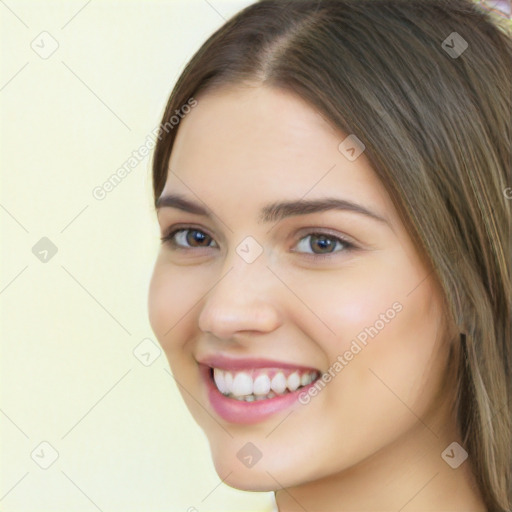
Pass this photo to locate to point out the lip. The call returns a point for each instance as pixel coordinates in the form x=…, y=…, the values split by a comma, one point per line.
x=247, y=413
x=229, y=363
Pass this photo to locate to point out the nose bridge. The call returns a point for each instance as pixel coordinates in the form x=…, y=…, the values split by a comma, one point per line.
x=245, y=273
x=241, y=299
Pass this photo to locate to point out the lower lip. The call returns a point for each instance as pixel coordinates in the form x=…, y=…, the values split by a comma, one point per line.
x=247, y=413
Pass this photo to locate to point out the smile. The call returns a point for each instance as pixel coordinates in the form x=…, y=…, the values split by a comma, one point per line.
x=252, y=390
x=260, y=384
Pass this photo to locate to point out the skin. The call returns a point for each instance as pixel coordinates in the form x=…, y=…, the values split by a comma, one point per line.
x=372, y=438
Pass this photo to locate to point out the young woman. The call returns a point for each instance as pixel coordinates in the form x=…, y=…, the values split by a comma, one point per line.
x=333, y=289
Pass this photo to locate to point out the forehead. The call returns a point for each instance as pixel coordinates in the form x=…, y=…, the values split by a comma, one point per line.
x=241, y=145
x=256, y=123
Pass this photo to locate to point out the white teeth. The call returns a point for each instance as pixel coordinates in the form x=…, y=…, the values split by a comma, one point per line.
x=293, y=381
x=306, y=379
x=228, y=379
x=218, y=376
x=242, y=384
x=278, y=383
x=261, y=385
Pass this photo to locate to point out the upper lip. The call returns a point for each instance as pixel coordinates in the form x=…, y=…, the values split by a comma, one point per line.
x=230, y=363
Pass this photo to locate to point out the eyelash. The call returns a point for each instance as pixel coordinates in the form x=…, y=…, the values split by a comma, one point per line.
x=168, y=239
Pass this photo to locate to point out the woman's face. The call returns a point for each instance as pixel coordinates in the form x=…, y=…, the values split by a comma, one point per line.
x=268, y=293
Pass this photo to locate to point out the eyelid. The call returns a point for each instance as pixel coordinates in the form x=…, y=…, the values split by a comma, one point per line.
x=311, y=230
x=176, y=227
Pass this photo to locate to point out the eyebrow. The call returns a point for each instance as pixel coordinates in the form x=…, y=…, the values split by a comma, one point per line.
x=276, y=211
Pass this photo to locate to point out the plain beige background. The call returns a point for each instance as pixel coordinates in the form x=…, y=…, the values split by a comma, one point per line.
x=82, y=85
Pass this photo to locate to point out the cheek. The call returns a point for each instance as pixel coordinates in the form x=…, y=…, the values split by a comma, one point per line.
x=411, y=355
x=353, y=300
x=391, y=380
x=173, y=292
x=386, y=319
x=395, y=377
x=408, y=353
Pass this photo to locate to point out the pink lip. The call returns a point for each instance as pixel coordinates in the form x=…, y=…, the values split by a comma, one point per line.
x=247, y=413
x=229, y=363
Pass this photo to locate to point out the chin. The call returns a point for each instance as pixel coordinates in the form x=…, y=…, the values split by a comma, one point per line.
x=247, y=480
x=236, y=475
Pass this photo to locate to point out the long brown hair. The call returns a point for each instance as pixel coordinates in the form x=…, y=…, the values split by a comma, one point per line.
x=427, y=86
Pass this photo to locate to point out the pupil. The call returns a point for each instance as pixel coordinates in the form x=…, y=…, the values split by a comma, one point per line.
x=196, y=237
x=323, y=242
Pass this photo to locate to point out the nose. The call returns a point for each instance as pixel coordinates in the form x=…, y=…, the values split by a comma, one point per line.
x=243, y=299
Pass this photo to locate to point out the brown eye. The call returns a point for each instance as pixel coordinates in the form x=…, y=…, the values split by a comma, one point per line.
x=197, y=238
x=323, y=243
x=187, y=238
x=320, y=243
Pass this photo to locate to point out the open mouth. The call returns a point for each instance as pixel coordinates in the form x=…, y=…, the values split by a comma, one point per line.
x=256, y=384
